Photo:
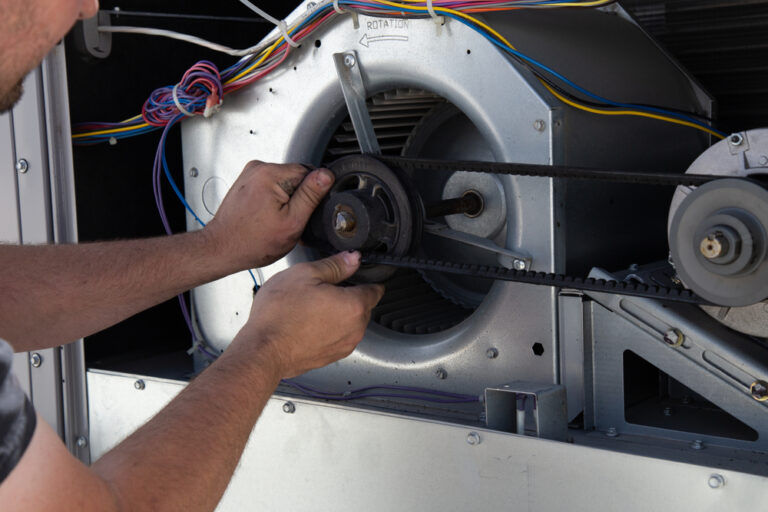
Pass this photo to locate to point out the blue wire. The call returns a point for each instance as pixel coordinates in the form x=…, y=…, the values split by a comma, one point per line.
x=178, y=192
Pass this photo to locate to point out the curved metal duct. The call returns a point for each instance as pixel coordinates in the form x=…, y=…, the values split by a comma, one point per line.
x=453, y=95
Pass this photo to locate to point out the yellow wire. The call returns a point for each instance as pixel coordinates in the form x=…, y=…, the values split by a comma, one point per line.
x=111, y=130
x=628, y=113
x=449, y=11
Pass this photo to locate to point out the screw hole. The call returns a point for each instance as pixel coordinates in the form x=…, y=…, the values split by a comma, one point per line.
x=469, y=52
x=538, y=349
x=317, y=43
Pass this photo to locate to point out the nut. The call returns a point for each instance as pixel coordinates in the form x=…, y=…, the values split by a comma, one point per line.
x=759, y=390
x=140, y=385
x=674, y=338
x=716, y=481
x=289, y=408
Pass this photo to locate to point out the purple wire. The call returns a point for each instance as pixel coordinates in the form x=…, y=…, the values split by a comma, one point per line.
x=448, y=398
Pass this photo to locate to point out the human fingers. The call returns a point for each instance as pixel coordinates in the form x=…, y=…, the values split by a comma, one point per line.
x=309, y=193
x=336, y=268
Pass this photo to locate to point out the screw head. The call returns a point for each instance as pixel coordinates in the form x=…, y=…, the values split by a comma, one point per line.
x=441, y=374
x=473, y=438
x=36, y=360
x=22, y=165
x=140, y=385
x=674, y=338
x=492, y=353
x=764, y=160
x=759, y=390
x=193, y=172
x=289, y=408
x=539, y=125
x=716, y=481
x=519, y=264
x=612, y=432
x=350, y=61
x=736, y=139
x=698, y=444
x=82, y=442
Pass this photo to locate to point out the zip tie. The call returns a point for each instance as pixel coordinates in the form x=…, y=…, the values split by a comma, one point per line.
x=280, y=24
x=439, y=20
x=337, y=8
x=178, y=103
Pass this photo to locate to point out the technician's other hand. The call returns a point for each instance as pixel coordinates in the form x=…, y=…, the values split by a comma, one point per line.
x=301, y=320
x=265, y=211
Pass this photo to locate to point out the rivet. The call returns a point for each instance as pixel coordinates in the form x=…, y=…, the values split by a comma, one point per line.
x=36, y=360
x=492, y=353
x=22, y=165
x=473, y=438
x=140, y=385
x=82, y=442
x=349, y=61
x=441, y=374
x=539, y=125
x=716, y=481
x=193, y=172
x=289, y=408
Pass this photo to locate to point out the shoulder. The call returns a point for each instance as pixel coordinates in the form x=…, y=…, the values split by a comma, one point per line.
x=17, y=416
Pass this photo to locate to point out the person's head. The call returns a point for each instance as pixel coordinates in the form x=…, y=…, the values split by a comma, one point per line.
x=28, y=31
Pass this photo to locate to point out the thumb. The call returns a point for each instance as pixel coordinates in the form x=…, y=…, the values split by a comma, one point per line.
x=311, y=190
x=336, y=268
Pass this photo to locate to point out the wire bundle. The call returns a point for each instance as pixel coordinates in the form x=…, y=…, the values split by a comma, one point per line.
x=270, y=54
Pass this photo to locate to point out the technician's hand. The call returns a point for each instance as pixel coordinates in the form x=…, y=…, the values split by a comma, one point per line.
x=300, y=319
x=265, y=211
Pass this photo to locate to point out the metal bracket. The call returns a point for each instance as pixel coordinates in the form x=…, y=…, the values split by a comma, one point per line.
x=507, y=257
x=353, y=89
x=527, y=408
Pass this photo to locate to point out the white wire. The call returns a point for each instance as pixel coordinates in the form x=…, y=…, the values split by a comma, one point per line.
x=281, y=24
x=183, y=37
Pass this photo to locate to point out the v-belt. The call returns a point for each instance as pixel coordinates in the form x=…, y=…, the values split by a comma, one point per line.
x=632, y=288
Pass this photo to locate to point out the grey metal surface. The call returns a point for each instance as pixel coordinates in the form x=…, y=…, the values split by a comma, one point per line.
x=713, y=361
x=507, y=258
x=355, y=96
x=326, y=457
x=516, y=120
x=571, y=349
x=38, y=205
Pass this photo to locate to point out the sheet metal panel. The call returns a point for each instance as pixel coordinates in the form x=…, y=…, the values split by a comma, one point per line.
x=325, y=457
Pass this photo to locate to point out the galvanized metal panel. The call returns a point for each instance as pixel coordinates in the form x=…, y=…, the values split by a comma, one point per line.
x=325, y=457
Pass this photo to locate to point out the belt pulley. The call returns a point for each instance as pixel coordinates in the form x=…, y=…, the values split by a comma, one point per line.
x=371, y=208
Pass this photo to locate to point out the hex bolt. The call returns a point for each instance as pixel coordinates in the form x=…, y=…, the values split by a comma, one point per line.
x=759, y=390
x=612, y=432
x=193, y=172
x=736, y=139
x=519, y=264
x=289, y=408
x=349, y=60
x=82, y=442
x=36, y=360
x=473, y=438
x=716, y=481
x=492, y=353
x=22, y=165
x=539, y=125
x=698, y=444
x=441, y=374
x=140, y=385
x=668, y=411
x=674, y=338
x=344, y=222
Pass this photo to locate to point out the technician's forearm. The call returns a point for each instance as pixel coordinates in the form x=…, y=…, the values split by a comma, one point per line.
x=56, y=294
x=184, y=458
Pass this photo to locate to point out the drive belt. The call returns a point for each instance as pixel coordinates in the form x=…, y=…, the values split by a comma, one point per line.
x=631, y=288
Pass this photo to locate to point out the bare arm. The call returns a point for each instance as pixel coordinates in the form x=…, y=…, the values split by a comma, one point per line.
x=55, y=294
x=184, y=457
